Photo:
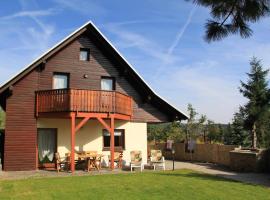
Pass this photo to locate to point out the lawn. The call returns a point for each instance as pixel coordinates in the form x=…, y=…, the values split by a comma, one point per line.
x=180, y=184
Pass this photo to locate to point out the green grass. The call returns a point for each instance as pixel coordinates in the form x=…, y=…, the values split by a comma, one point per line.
x=181, y=184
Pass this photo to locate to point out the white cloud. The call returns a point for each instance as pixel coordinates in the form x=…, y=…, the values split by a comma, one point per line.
x=197, y=84
x=128, y=39
x=31, y=13
x=182, y=31
x=24, y=41
x=174, y=44
x=82, y=6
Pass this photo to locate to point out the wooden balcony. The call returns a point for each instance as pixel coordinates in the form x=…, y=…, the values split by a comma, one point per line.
x=88, y=101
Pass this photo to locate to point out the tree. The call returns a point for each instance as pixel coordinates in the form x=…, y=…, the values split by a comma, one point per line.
x=256, y=110
x=163, y=132
x=191, y=131
x=213, y=132
x=155, y=132
x=236, y=134
x=232, y=17
x=174, y=132
x=202, y=126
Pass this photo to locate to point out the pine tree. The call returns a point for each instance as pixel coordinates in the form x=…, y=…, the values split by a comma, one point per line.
x=237, y=135
x=232, y=16
x=256, y=109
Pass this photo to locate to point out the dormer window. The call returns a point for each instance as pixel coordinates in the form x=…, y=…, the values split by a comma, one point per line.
x=84, y=54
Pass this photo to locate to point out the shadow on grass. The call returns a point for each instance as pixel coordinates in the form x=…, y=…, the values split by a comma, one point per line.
x=199, y=176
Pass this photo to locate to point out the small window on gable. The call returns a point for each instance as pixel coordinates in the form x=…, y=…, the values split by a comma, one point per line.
x=107, y=83
x=84, y=54
x=60, y=80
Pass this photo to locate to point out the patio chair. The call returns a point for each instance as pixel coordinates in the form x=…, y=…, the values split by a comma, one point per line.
x=156, y=159
x=118, y=159
x=136, y=160
x=61, y=163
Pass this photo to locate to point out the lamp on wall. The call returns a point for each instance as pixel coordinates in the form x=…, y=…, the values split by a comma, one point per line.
x=85, y=76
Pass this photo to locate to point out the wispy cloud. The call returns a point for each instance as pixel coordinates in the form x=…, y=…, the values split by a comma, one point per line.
x=181, y=31
x=29, y=39
x=82, y=6
x=128, y=39
x=140, y=21
x=199, y=84
x=175, y=43
x=31, y=13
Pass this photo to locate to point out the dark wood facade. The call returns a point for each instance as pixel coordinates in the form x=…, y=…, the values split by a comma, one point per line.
x=21, y=126
x=19, y=98
x=67, y=61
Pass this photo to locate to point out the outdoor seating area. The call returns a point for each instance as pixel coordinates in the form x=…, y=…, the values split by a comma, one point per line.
x=94, y=161
x=86, y=160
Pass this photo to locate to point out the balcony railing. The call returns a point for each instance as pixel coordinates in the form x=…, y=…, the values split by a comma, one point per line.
x=73, y=100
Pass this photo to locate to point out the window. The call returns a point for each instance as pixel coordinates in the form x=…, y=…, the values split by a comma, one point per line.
x=107, y=83
x=119, y=139
x=84, y=54
x=60, y=80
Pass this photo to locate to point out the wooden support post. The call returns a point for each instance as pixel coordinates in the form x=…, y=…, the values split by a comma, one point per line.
x=37, y=153
x=72, y=145
x=112, y=142
x=80, y=125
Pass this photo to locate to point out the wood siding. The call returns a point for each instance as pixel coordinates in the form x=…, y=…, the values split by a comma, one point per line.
x=21, y=127
x=67, y=61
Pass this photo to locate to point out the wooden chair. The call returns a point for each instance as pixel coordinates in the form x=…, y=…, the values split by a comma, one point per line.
x=118, y=159
x=136, y=160
x=61, y=163
x=91, y=160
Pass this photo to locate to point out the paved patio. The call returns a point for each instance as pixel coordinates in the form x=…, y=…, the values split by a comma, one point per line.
x=208, y=168
x=216, y=170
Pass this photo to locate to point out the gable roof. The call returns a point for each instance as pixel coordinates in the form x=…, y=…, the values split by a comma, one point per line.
x=90, y=27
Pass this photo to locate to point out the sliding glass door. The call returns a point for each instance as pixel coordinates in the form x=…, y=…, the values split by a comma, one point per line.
x=47, y=145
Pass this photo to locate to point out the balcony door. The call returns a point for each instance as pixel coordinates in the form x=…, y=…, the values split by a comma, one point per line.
x=107, y=85
x=47, y=145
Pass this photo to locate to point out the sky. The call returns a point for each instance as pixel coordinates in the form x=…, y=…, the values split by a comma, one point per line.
x=163, y=40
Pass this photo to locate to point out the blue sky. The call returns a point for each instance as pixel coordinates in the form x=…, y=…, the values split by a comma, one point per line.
x=163, y=40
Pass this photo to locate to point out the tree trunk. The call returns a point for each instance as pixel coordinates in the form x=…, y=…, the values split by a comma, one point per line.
x=254, y=137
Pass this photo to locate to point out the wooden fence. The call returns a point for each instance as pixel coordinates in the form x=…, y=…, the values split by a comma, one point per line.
x=213, y=153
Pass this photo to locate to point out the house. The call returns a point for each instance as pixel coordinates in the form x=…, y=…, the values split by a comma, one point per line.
x=74, y=98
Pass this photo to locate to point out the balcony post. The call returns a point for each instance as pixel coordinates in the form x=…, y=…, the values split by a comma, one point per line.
x=112, y=142
x=72, y=144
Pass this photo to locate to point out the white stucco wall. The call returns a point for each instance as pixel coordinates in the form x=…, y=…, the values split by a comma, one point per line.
x=89, y=137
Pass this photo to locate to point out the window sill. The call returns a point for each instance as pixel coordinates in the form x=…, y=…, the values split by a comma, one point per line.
x=117, y=149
